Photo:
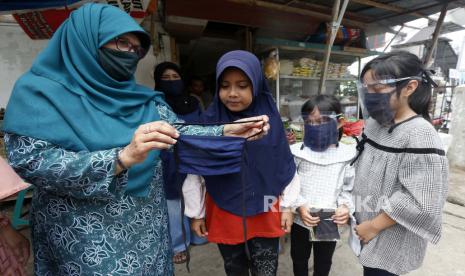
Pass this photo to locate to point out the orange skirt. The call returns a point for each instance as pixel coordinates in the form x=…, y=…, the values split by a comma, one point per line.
x=226, y=228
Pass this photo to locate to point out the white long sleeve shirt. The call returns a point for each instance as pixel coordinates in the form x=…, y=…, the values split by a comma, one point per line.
x=194, y=190
x=326, y=178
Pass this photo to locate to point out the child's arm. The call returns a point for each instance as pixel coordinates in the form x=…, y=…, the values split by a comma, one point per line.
x=345, y=196
x=344, y=201
x=290, y=195
x=193, y=191
x=287, y=201
x=369, y=229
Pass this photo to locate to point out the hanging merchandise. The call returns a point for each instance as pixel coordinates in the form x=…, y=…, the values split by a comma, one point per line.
x=271, y=67
x=345, y=36
x=41, y=24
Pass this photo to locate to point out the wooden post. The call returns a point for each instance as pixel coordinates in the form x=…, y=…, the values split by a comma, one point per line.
x=437, y=30
x=336, y=22
x=248, y=39
x=173, y=50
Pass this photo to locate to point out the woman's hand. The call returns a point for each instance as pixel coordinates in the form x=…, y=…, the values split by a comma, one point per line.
x=151, y=136
x=307, y=218
x=17, y=242
x=287, y=219
x=341, y=215
x=247, y=130
x=199, y=227
x=366, y=231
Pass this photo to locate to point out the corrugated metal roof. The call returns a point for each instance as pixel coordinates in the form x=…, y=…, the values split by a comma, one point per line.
x=378, y=19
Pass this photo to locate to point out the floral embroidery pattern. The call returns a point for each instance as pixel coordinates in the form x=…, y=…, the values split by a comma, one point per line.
x=82, y=222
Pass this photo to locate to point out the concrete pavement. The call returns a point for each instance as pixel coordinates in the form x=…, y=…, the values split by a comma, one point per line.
x=447, y=258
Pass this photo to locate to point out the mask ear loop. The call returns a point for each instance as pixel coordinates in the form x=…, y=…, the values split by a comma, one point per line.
x=184, y=235
x=244, y=209
x=215, y=123
x=427, y=77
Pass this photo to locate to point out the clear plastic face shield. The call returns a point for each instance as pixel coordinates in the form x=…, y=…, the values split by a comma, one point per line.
x=376, y=95
x=321, y=130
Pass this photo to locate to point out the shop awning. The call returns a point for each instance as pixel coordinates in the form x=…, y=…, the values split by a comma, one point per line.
x=11, y=6
x=40, y=19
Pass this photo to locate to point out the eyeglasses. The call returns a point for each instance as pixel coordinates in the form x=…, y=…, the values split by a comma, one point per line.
x=381, y=86
x=389, y=82
x=124, y=45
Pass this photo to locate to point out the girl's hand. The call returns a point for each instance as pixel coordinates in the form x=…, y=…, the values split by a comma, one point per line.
x=366, y=231
x=246, y=130
x=307, y=218
x=199, y=227
x=151, y=136
x=341, y=215
x=17, y=242
x=287, y=219
x=290, y=135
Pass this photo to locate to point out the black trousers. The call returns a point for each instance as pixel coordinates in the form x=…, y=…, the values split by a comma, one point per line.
x=369, y=271
x=301, y=248
x=263, y=257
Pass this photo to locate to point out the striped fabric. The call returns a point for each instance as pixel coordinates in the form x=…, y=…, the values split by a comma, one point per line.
x=409, y=187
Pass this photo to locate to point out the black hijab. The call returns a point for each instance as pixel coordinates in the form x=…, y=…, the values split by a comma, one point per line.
x=181, y=104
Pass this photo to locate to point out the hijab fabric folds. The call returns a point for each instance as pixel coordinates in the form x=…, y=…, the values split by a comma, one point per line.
x=269, y=164
x=67, y=98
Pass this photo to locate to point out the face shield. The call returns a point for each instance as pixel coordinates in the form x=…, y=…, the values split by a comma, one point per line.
x=376, y=98
x=321, y=131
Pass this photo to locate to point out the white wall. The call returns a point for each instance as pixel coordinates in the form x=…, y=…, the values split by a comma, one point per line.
x=18, y=51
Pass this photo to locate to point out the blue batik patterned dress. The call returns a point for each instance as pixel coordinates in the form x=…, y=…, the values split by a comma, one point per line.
x=82, y=222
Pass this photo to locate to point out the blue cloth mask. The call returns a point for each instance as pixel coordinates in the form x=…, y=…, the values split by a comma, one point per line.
x=379, y=108
x=119, y=65
x=319, y=137
x=171, y=87
x=209, y=155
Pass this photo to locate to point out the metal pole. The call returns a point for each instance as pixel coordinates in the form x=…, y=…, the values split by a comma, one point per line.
x=359, y=59
x=336, y=22
x=392, y=40
x=437, y=30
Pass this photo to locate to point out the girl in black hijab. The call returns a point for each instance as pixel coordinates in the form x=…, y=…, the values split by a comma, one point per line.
x=167, y=76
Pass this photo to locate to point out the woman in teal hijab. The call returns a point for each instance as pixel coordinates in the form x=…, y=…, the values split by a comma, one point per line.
x=87, y=136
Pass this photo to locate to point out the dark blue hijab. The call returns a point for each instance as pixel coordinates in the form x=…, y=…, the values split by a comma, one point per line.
x=269, y=164
x=68, y=99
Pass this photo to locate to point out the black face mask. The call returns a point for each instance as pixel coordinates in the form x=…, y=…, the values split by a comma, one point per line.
x=172, y=88
x=379, y=108
x=118, y=64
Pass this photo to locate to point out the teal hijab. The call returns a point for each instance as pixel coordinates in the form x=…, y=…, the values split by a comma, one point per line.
x=66, y=98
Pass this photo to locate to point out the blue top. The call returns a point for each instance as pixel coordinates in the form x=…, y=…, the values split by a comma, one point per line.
x=66, y=98
x=269, y=166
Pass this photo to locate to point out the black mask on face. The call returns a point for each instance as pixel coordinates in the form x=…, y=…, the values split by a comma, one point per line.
x=172, y=87
x=118, y=64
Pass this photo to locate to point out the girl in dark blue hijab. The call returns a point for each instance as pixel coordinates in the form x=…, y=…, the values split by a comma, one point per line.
x=251, y=196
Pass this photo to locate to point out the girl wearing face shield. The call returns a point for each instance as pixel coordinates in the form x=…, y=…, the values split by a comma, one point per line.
x=401, y=172
x=326, y=181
